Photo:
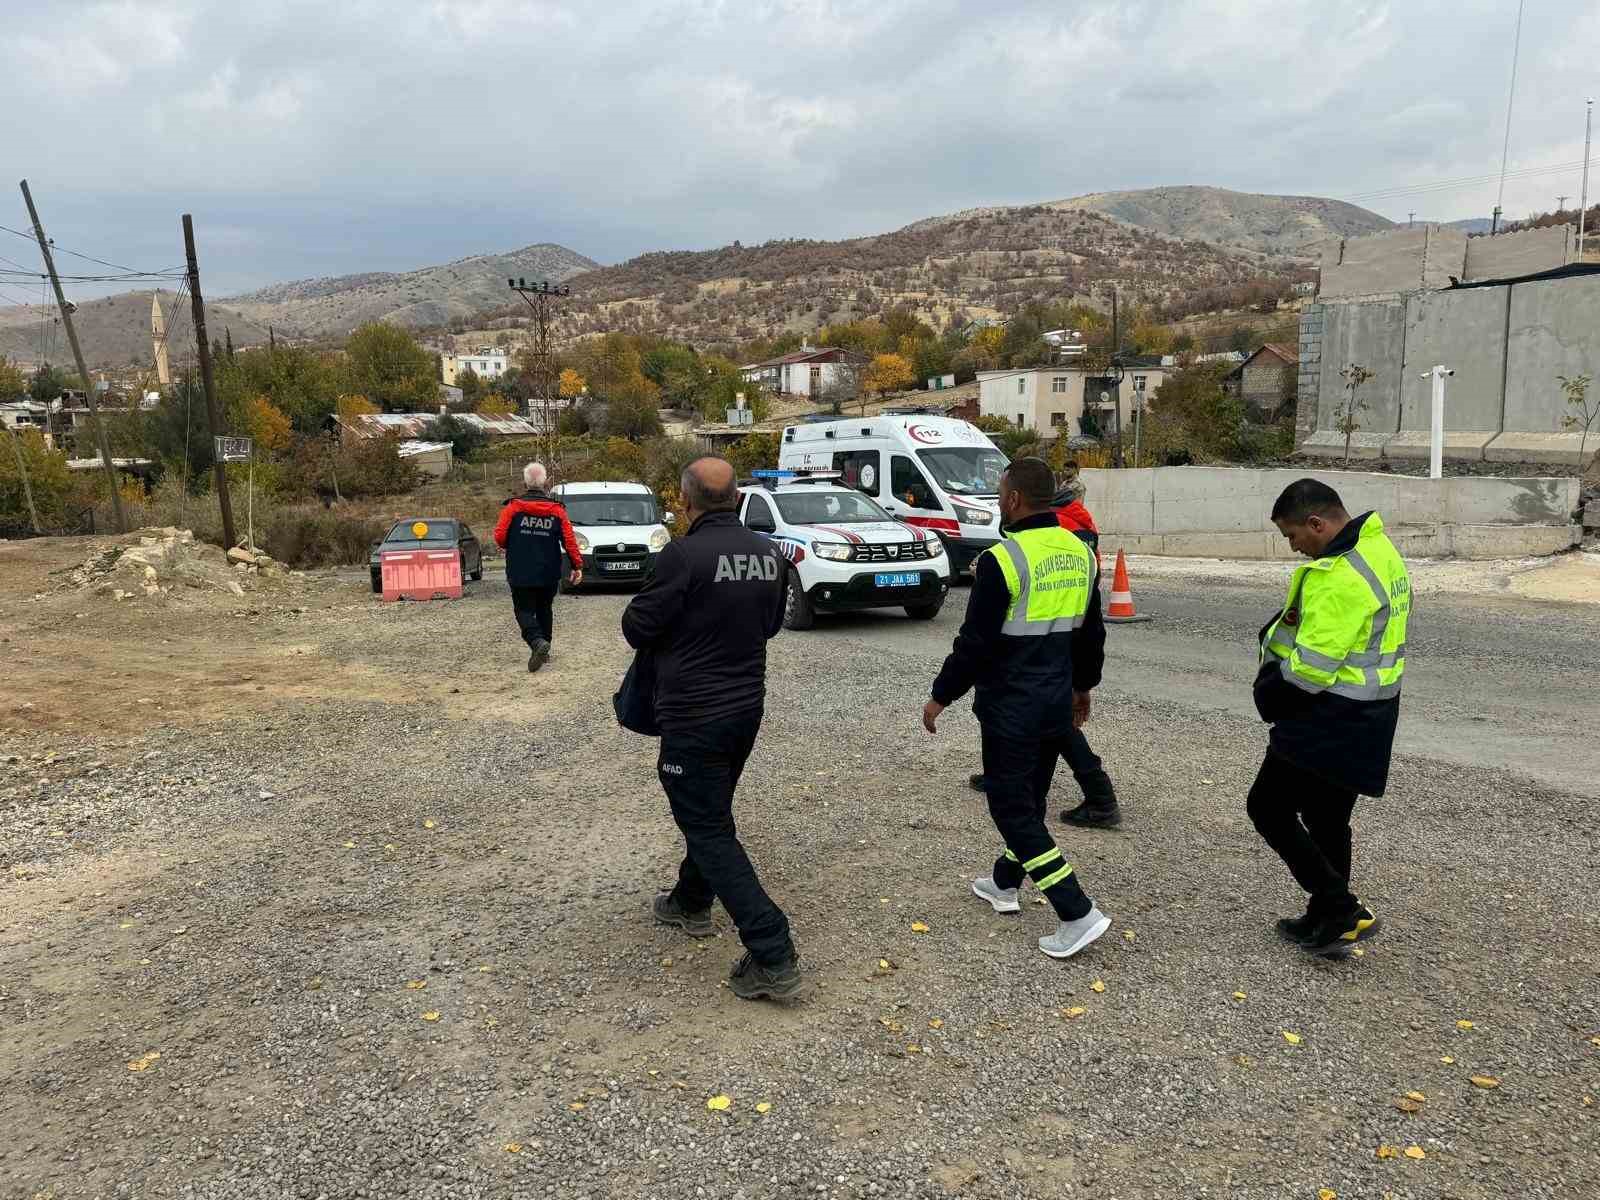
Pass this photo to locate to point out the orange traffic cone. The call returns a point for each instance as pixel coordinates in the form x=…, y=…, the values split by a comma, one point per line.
x=1121, y=607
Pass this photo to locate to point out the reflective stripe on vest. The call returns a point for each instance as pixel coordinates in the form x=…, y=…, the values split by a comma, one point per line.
x=1049, y=573
x=1371, y=670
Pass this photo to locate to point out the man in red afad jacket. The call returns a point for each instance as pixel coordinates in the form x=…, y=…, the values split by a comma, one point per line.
x=532, y=530
x=1099, y=809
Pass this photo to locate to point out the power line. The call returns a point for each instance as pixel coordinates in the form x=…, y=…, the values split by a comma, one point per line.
x=75, y=254
x=1445, y=185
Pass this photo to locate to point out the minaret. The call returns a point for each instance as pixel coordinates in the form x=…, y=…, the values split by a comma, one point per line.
x=158, y=337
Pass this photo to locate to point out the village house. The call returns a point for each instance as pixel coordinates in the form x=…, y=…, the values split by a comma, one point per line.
x=1068, y=401
x=1266, y=379
x=810, y=372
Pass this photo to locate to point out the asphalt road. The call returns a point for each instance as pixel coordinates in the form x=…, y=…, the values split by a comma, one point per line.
x=1491, y=682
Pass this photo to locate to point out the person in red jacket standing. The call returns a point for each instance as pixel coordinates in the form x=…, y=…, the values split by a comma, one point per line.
x=532, y=530
x=1099, y=809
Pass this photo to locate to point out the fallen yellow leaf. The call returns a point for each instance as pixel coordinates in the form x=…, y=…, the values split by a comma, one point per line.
x=883, y=964
x=1595, y=1041
x=1464, y=1024
x=763, y=1108
x=416, y=984
x=1407, y=1105
x=1588, y=1101
x=1239, y=996
x=1358, y=951
x=1416, y=1152
x=486, y=968
x=918, y=927
x=428, y=824
x=913, y=1048
x=1417, y=1096
x=719, y=1103
x=652, y=1074
x=144, y=1061
x=1099, y=985
x=513, y=1147
x=430, y=1016
x=126, y=925
x=1387, y=1152
x=1074, y=1012
x=935, y=1023
x=577, y=1106
x=1128, y=934
x=1327, y=1194
x=349, y=845
x=1448, y=1061
x=891, y=1025
x=1292, y=1038
x=388, y=845
x=1485, y=1081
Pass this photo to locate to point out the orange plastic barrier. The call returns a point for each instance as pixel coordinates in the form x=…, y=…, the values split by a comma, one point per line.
x=421, y=574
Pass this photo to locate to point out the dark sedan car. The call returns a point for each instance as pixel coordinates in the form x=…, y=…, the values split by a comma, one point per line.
x=430, y=533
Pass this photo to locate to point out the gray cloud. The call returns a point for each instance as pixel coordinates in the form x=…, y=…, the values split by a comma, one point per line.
x=317, y=138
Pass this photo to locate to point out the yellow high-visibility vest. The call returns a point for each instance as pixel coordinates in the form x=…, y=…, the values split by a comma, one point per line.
x=1343, y=628
x=1049, y=573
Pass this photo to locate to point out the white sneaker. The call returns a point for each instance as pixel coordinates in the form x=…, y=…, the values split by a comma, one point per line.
x=1002, y=900
x=1072, y=936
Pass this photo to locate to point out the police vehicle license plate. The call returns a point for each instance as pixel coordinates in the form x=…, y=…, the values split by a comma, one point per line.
x=896, y=580
x=621, y=566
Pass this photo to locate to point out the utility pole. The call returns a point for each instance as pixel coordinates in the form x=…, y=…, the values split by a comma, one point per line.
x=1505, y=153
x=1411, y=220
x=213, y=418
x=27, y=488
x=538, y=297
x=1116, y=348
x=1583, y=200
x=77, y=355
x=1561, y=205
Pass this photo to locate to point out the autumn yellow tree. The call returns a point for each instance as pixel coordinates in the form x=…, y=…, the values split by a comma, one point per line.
x=495, y=405
x=886, y=373
x=267, y=424
x=349, y=406
x=986, y=345
x=570, y=384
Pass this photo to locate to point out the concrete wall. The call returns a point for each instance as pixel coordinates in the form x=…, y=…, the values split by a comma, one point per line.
x=1464, y=330
x=1509, y=255
x=1225, y=511
x=1401, y=260
x=1506, y=344
x=1372, y=335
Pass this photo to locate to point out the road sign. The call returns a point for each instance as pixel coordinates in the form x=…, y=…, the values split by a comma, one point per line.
x=233, y=449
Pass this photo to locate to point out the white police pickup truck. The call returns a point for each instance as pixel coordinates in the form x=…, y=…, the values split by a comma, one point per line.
x=845, y=553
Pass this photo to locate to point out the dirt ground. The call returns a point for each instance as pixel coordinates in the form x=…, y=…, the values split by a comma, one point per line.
x=306, y=895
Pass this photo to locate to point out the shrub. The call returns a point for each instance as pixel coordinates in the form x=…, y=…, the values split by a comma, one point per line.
x=307, y=537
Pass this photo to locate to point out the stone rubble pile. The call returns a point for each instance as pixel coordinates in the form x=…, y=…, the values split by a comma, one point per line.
x=155, y=562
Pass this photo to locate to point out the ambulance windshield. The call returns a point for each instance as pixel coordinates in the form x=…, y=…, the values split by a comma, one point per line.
x=965, y=471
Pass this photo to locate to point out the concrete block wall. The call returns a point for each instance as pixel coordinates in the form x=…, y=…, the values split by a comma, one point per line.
x=1225, y=512
x=1528, y=252
x=1507, y=345
x=1398, y=261
x=1309, y=390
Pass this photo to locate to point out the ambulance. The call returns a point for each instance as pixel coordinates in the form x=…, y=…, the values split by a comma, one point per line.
x=933, y=472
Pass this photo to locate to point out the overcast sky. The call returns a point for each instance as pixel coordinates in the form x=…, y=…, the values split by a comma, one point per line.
x=320, y=137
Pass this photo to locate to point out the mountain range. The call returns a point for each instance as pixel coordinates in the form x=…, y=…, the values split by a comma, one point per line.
x=1154, y=245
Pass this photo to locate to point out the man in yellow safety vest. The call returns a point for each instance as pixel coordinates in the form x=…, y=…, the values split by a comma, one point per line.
x=1031, y=647
x=1329, y=685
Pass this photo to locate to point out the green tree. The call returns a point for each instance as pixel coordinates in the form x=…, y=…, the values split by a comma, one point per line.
x=633, y=409
x=1191, y=411
x=13, y=382
x=385, y=364
x=465, y=438
x=754, y=452
x=47, y=384
x=56, y=494
x=1348, y=420
x=302, y=383
x=1576, y=390
x=678, y=371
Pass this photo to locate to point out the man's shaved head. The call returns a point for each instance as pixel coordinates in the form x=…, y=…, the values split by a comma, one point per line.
x=708, y=485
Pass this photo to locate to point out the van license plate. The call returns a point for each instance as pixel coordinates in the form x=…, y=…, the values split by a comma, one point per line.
x=897, y=580
x=620, y=566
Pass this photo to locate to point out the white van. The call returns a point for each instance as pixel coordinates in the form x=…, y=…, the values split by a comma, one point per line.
x=934, y=472
x=618, y=529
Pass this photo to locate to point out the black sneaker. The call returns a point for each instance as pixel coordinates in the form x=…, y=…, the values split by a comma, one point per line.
x=1334, y=935
x=540, y=656
x=1296, y=929
x=669, y=912
x=749, y=980
x=975, y=782
x=1091, y=817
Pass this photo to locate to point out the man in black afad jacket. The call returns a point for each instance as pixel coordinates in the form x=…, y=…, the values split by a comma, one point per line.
x=715, y=600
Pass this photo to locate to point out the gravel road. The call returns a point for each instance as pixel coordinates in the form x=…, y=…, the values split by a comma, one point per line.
x=377, y=900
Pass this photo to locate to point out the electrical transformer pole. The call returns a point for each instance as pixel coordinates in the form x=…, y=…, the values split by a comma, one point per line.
x=545, y=401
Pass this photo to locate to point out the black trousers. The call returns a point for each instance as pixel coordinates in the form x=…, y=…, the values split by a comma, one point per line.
x=1017, y=774
x=1307, y=821
x=700, y=768
x=535, y=618
x=1087, y=769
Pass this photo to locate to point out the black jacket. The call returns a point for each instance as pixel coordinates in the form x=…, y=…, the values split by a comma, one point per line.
x=715, y=600
x=1347, y=742
x=1024, y=685
x=533, y=530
